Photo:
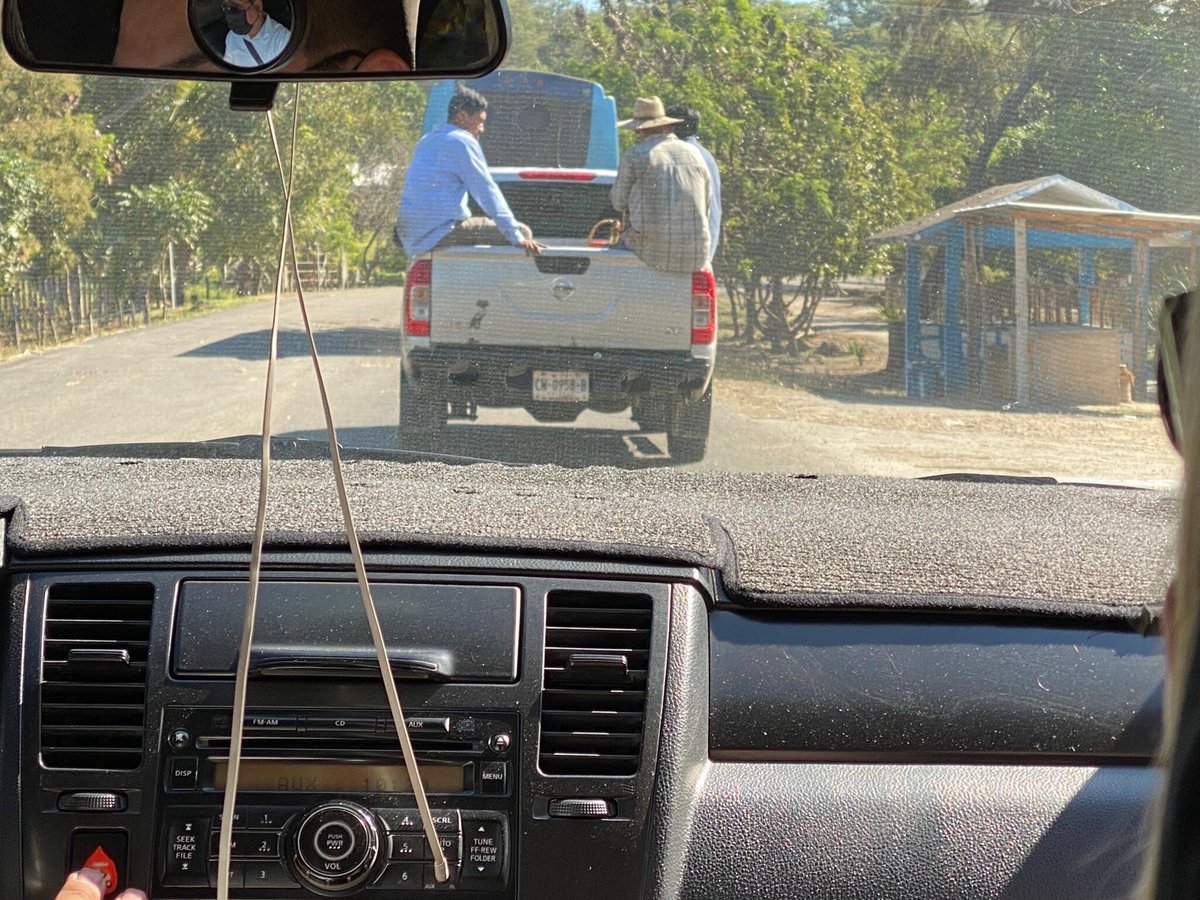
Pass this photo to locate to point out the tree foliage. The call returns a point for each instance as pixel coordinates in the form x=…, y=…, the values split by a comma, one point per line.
x=830, y=121
x=803, y=156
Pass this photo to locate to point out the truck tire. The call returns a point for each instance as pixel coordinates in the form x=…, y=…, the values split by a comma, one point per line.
x=422, y=419
x=687, y=438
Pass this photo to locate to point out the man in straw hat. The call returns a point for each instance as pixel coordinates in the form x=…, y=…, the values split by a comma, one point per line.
x=664, y=190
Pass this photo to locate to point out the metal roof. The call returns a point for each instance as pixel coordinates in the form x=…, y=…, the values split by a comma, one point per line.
x=1050, y=190
x=1132, y=223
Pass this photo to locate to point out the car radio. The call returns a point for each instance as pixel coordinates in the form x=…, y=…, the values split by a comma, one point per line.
x=325, y=802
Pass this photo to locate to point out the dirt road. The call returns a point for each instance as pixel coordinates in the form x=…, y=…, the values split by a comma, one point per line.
x=203, y=378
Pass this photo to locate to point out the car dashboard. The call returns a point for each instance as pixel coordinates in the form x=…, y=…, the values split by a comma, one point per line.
x=612, y=691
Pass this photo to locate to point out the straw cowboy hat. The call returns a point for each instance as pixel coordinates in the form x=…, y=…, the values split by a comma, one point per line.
x=648, y=112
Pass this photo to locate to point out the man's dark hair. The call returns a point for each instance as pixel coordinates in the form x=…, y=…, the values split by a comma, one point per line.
x=465, y=100
x=690, y=116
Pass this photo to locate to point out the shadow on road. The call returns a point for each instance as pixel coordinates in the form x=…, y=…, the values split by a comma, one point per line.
x=253, y=345
x=523, y=445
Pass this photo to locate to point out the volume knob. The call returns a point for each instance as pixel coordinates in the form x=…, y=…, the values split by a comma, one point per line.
x=336, y=846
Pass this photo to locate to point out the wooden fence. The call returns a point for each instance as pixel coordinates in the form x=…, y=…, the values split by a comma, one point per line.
x=41, y=311
x=1110, y=305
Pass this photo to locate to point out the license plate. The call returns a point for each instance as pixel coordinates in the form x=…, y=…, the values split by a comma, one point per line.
x=573, y=386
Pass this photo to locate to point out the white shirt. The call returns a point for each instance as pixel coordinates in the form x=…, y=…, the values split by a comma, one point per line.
x=270, y=42
x=714, y=204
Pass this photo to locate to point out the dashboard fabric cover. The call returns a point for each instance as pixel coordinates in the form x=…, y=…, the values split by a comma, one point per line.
x=777, y=539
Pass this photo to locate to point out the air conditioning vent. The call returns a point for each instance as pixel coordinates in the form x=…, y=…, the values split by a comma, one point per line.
x=594, y=683
x=94, y=675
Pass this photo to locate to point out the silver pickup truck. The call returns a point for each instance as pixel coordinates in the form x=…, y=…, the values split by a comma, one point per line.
x=584, y=326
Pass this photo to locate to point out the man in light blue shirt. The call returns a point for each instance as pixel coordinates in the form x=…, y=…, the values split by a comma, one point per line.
x=686, y=130
x=447, y=165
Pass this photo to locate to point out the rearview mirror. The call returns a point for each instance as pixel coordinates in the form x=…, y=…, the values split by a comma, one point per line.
x=262, y=40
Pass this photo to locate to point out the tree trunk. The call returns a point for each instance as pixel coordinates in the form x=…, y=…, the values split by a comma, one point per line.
x=778, y=317
x=731, y=293
x=753, y=326
x=1007, y=117
x=16, y=322
x=72, y=318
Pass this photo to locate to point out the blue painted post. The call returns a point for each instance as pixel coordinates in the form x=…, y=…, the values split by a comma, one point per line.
x=952, y=347
x=912, y=316
x=1087, y=281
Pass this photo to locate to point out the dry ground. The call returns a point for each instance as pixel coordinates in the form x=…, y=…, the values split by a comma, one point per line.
x=838, y=385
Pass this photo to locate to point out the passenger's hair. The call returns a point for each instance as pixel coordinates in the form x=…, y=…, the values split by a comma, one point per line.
x=690, y=125
x=1172, y=867
x=465, y=100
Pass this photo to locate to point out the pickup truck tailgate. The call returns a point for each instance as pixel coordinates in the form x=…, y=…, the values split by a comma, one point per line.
x=569, y=297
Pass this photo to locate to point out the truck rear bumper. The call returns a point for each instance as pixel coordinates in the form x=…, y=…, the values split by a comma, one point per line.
x=503, y=376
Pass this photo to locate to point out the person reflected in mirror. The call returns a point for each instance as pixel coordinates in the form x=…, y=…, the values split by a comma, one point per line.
x=88, y=884
x=1172, y=862
x=687, y=131
x=254, y=39
x=663, y=189
x=343, y=36
x=448, y=165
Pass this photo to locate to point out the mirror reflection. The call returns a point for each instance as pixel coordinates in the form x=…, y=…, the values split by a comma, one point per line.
x=288, y=38
x=245, y=34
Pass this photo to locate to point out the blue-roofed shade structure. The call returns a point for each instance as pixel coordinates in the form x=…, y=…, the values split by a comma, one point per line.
x=1051, y=213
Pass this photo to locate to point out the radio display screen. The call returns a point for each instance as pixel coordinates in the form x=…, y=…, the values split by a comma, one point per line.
x=340, y=776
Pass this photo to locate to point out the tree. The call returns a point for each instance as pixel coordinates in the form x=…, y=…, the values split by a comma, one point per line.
x=809, y=171
x=41, y=125
x=158, y=215
x=19, y=192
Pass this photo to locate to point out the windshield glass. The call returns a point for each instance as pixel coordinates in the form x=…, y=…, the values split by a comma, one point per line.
x=845, y=237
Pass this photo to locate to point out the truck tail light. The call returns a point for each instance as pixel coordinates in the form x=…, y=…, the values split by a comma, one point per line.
x=418, y=297
x=704, y=308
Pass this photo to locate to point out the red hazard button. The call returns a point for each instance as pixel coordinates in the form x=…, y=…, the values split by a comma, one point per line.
x=104, y=851
x=102, y=863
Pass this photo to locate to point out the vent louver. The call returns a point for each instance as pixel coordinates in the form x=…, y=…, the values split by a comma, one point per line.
x=594, y=683
x=94, y=675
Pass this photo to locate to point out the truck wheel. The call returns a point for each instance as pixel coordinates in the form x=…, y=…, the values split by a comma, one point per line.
x=422, y=419
x=687, y=439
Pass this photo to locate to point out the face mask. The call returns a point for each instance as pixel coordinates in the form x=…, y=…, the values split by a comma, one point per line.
x=236, y=20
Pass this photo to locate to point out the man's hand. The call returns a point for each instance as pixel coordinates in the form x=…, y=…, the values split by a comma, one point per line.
x=532, y=247
x=88, y=884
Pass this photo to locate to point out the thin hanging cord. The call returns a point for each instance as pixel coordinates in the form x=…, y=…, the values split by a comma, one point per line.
x=441, y=866
x=233, y=768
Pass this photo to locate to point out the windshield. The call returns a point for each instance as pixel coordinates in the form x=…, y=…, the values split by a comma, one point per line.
x=841, y=237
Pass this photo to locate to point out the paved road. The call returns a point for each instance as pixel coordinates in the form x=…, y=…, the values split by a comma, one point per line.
x=203, y=378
